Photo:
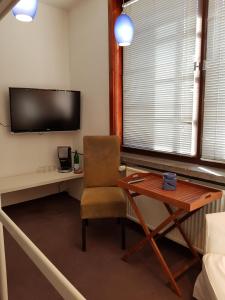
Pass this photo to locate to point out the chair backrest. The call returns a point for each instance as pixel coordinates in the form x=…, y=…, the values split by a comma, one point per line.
x=101, y=161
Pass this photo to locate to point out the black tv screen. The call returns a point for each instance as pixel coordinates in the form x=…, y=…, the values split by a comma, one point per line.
x=38, y=110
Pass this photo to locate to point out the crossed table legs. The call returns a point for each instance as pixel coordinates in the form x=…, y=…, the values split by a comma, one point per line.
x=177, y=217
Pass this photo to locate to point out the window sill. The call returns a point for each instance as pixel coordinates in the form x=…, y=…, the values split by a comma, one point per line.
x=211, y=174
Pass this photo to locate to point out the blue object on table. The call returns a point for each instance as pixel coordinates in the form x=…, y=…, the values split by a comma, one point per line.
x=169, y=181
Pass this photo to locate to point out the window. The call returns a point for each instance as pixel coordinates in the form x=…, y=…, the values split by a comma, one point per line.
x=159, y=98
x=172, y=99
x=213, y=147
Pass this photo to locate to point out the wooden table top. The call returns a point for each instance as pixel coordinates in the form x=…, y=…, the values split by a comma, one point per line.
x=188, y=196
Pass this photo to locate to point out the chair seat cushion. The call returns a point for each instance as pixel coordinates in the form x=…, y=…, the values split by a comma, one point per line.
x=103, y=202
x=213, y=275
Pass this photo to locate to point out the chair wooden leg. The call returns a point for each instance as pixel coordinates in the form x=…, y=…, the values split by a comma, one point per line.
x=123, y=233
x=84, y=223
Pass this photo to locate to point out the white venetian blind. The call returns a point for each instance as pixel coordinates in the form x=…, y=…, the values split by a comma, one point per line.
x=213, y=147
x=159, y=96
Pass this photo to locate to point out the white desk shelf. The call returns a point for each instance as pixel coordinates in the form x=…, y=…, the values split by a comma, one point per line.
x=30, y=180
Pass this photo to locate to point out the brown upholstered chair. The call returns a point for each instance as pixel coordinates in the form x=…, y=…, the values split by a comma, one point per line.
x=102, y=198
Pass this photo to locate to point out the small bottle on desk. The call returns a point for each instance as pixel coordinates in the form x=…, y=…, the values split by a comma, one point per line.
x=76, y=161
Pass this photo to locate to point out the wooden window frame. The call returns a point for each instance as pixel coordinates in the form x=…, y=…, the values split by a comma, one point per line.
x=116, y=89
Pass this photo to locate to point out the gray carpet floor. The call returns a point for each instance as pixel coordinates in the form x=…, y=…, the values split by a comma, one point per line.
x=53, y=224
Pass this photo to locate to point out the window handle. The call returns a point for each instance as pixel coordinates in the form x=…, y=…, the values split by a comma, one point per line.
x=197, y=65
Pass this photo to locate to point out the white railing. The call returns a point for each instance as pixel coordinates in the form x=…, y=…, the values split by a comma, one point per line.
x=53, y=275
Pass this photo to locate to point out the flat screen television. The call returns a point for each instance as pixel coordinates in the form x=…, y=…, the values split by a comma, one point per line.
x=39, y=110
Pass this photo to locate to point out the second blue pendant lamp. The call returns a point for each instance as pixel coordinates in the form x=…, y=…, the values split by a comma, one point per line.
x=124, y=29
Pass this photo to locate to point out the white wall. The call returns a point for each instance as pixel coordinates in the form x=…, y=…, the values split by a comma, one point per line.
x=32, y=55
x=89, y=64
x=58, y=50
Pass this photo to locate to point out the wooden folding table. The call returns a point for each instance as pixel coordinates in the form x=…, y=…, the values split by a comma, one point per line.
x=180, y=204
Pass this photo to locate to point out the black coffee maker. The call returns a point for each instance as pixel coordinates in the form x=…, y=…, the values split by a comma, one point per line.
x=65, y=161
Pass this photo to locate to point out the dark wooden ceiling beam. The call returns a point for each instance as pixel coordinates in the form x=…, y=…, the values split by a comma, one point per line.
x=115, y=72
x=5, y=6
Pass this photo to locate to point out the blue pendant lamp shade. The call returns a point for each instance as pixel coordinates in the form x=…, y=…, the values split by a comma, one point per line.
x=25, y=10
x=124, y=30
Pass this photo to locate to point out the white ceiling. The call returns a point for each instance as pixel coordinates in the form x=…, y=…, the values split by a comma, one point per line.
x=65, y=4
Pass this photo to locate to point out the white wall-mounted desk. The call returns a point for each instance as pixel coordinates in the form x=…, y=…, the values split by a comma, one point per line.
x=31, y=180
